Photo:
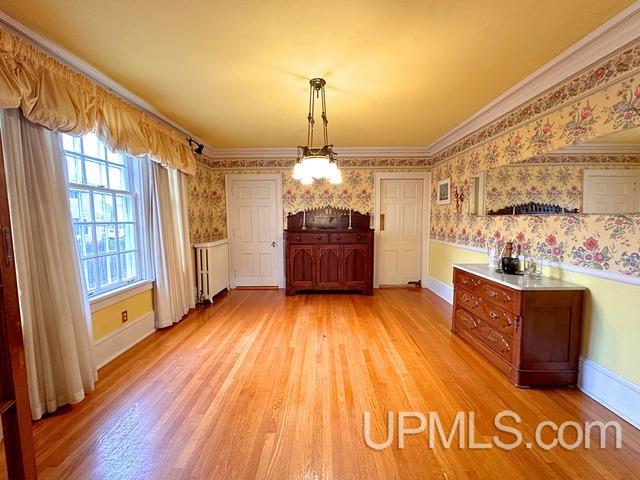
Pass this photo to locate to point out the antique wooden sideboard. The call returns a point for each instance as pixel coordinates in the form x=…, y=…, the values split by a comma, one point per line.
x=328, y=249
x=529, y=328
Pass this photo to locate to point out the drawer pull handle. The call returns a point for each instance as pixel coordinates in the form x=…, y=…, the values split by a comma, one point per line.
x=298, y=237
x=506, y=344
x=493, y=314
x=509, y=322
x=465, y=281
x=338, y=237
x=493, y=293
x=492, y=338
x=358, y=237
x=319, y=237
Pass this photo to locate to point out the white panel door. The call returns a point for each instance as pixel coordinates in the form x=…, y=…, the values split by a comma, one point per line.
x=253, y=235
x=400, y=240
x=611, y=191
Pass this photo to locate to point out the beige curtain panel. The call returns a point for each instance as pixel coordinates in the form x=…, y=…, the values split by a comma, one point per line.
x=60, y=99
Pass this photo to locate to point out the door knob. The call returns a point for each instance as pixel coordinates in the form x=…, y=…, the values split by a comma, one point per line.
x=273, y=244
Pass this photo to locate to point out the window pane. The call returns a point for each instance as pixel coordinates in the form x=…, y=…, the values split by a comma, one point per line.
x=103, y=205
x=108, y=270
x=126, y=237
x=124, y=204
x=89, y=267
x=128, y=266
x=71, y=144
x=93, y=147
x=84, y=239
x=115, y=157
x=74, y=169
x=96, y=173
x=118, y=178
x=80, y=205
x=106, y=239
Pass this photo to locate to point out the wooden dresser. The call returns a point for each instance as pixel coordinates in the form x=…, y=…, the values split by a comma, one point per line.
x=528, y=328
x=328, y=249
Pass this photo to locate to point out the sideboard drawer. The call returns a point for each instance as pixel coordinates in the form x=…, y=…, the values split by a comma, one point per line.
x=348, y=238
x=465, y=320
x=465, y=280
x=502, y=320
x=309, y=238
x=501, y=296
x=497, y=342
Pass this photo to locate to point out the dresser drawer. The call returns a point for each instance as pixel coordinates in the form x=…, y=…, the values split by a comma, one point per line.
x=498, y=318
x=309, y=238
x=501, y=344
x=497, y=294
x=465, y=320
x=502, y=320
x=348, y=238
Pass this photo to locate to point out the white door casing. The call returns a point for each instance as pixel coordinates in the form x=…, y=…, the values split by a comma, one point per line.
x=402, y=249
x=254, y=213
x=611, y=191
x=400, y=241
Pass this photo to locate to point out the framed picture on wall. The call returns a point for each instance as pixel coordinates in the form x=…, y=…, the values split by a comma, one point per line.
x=444, y=192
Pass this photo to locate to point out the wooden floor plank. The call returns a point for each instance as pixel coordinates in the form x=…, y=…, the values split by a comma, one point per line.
x=260, y=385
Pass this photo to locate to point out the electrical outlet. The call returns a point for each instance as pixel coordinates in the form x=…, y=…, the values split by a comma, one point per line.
x=125, y=316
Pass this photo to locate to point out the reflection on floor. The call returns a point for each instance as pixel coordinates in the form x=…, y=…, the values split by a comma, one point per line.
x=264, y=386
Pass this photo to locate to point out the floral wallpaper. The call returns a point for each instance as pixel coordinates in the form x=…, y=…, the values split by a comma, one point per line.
x=207, y=205
x=207, y=201
x=556, y=182
x=602, y=99
x=599, y=101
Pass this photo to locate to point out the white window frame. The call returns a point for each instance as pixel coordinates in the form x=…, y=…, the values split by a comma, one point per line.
x=134, y=181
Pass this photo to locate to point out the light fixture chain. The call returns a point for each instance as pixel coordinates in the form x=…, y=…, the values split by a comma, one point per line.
x=325, y=121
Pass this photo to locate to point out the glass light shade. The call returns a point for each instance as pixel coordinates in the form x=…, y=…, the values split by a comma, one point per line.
x=298, y=171
x=336, y=178
x=316, y=167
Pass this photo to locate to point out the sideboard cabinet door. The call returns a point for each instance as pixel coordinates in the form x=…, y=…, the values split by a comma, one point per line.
x=328, y=267
x=301, y=267
x=355, y=267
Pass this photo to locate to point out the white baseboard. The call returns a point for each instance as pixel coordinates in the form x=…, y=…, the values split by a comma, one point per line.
x=441, y=289
x=119, y=341
x=611, y=390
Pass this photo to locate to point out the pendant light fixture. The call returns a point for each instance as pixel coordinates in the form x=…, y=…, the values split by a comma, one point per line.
x=316, y=163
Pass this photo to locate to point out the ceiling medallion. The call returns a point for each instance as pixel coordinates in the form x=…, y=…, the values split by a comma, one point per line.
x=316, y=163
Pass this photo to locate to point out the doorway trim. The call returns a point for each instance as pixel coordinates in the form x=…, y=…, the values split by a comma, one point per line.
x=426, y=218
x=228, y=179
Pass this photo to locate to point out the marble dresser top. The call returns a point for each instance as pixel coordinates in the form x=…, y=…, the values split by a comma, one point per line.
x=517, y=282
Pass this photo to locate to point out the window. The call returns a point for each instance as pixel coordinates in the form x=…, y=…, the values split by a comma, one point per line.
x=104, y=197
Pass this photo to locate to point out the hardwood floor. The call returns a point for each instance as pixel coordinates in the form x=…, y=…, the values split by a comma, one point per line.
x=264, y=386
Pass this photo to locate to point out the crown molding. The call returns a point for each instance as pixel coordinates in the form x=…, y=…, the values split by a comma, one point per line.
x=84, y=68
x=598, y=148
x=606, y=39
x=343, y=152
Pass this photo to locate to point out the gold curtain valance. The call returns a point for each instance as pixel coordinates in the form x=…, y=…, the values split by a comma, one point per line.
x=58, y=98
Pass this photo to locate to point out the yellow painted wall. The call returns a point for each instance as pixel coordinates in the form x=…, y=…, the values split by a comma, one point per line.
x=109, y=319
x=611, y=330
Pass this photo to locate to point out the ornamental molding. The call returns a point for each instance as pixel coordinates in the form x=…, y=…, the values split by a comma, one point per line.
x=343, y=152
x=508, y=110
